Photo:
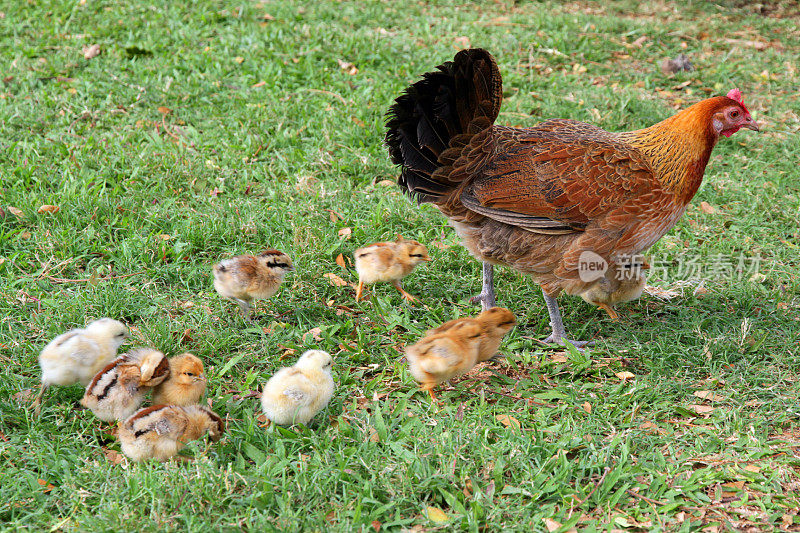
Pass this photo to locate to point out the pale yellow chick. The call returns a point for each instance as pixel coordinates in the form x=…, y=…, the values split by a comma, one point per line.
x=77, y=355
x=442, y=356
x=118, y=390
x=388, y=262
x=622, y=284
x=294, y=395
x=245, y=278
x=186, y=383
x=161, y=431
x=495, y=322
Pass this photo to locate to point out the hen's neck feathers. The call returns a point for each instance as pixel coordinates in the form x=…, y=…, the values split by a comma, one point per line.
x=679, y=147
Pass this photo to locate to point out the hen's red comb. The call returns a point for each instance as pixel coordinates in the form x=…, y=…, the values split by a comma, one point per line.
x=736, y=96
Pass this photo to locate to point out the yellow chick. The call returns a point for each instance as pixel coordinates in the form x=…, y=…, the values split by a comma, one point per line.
x=77, y=355
x=294, y=395
x=495, y=323
x=186, y=383
x=623, y=284
x=118, y=390
x=388, y=262
x=161, y=431
x=442, y=356
x=245, y=278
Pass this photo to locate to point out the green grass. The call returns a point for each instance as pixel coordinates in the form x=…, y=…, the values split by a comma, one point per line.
x=291, y=139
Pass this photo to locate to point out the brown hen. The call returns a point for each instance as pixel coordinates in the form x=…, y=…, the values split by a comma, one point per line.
x=548, y=200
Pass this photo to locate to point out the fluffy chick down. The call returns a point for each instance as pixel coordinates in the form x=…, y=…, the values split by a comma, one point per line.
x=294, y=395
x=388, y=262
x=245, y=278
x=186, y=383
x=118, y=390
x=161, y=431
x=494, y=322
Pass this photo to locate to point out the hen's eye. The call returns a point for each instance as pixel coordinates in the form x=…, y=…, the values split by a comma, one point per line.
x=734, y=114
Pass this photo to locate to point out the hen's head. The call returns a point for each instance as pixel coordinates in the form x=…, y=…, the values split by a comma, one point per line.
x=731, y=115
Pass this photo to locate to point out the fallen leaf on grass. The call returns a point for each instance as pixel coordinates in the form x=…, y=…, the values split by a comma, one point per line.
x=386, y=183
x=16, y=212
x=25, y=395
x=164, y=110
x=376, y=525
x=90, y=52
x=239, y=59
x=552, y=525
x=345, y=233
x=164, y=236
x=707, y=208
x=436, y=515
x=559, y=357
x=48, y=209
x=315, y=334
x=259, y=84
x=587, y=407
x=625, y=375
x=47, y=486
x=340, y=261
x=463, y=42
x=752, y=468
x=113, y=457
x=709, y=395
x=508, y=421
x=335, y=280
x=373, y=435
x=701, y=409
x=347, y=67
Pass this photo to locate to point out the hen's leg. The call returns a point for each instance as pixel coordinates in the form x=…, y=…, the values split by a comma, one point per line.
x=486, y=297
x=559, y=335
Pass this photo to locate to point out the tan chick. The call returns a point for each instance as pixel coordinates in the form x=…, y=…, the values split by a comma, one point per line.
x=77, y=355
x=495, y=323
x=161, y=431
x=294, y=395
x=118, y=390
x=442, y=356
x=186, y=383
x=245, y=278
x=388, y=262
x=622, y=284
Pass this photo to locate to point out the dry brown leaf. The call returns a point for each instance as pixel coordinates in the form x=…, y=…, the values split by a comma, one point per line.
x=587, y=407
x=258, y=84
x=559, y=357
x=373, y=435
x=164, y=110
x=640, y=41
x=508, y=421
x=47, y=486
x=345, y=233
x=625, y=375
x=709, y=395
x=386, y=183
x=315, y=334
x=707, y=208
x=25, y=395
x=335, y=280
x=164, y=236
x=752, y=468
x=436, y=515
x=347, y=67
x=2, y=260
x=552, y=525
x=239, y=59
x=463, y=42
x=48, y=209
x=376, y=525
x=16, y=212
x=340, y=262
x=113, y=457
x=25, y=235
x=90, y=52
x=652, y=428
x=701, y=409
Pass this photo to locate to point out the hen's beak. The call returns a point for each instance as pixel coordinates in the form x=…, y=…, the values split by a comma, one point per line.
x=751, y=124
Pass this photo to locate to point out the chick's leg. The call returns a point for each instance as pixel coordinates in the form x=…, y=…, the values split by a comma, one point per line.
x=37, y=402
x=610, y=310
x=359, y=290
x=405, y=295
x=486, y=297
x=559, y=334
x=245, y=307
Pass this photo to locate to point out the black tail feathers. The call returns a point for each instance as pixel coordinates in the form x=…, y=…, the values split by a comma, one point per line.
x=430, y=123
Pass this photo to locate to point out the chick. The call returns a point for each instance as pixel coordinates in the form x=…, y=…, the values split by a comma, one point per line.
x=389, y=262
x=186, y=383
x=294, y=395
x=445, y=355
x=495, y=323
x=245, y=278
x=161, y=431
x=622, y=284
x=118, y=390
x=77, y=355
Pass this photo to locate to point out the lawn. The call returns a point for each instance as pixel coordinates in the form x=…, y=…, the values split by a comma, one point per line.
x=216, y=128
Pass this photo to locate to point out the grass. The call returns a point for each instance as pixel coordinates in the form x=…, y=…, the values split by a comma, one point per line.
x=226, y=127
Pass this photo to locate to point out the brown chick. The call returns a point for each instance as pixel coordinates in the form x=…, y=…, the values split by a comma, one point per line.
x=186, y=383
x=623, y=284
x=495, y=323
x=161, y=431
x=77, y=355
x=388, y=262
x=118, y=390
x=442, y=356
x=245, y=278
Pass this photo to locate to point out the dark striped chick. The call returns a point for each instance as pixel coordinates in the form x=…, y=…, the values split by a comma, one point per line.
x=245, y=278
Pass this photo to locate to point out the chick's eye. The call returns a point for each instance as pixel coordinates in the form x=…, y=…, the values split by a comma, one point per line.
x=190, y=374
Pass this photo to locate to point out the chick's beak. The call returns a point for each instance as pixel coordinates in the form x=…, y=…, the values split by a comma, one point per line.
x=427, y=259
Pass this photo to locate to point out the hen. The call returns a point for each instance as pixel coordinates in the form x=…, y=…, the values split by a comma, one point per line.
x=556, y=197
